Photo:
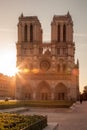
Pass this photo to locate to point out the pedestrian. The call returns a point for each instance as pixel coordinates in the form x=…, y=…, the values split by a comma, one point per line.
x=81, y=99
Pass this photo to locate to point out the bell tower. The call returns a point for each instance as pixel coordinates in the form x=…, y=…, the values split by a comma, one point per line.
x=62, y=38
x=29, y=30
x=62, y=29
x=29, y=38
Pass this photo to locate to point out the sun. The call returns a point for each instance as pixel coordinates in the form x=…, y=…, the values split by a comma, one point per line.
x=13, y=71
x=8, y=63
x=10, y=71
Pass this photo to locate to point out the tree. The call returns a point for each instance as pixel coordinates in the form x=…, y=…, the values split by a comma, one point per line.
x=85, y=93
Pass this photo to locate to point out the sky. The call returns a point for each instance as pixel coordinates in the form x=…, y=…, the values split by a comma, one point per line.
x=10, y=10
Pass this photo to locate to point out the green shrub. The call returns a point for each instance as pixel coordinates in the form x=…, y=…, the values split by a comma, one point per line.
x=21, y=122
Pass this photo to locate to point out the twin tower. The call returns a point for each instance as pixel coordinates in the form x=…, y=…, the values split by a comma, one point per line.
x=29, y=29
x=47, y=70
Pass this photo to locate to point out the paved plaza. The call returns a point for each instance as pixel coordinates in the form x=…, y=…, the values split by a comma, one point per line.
x=74, y=118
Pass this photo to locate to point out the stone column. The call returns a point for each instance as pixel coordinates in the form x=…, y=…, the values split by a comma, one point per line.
x=40, y=34
x=70, y=33
x=19, y=32
x=53, y=32
x=67, y=33
x=53, y=50
x=35, y=32
x=23, y=32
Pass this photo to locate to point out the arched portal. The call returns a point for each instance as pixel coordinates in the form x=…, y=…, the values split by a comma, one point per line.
x=60, y=92
x=43, y=91
x=27, y=92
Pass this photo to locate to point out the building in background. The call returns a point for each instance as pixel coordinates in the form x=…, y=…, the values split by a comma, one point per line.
x=12, y=87
x=7, y=87
x=47, y=71
x=4, y=86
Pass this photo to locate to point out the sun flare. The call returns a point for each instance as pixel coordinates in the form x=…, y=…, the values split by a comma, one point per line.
x=12, y=71
x=8, y=63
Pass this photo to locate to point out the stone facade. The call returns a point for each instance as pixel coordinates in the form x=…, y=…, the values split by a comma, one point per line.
x=47, y=71
x=7, y=87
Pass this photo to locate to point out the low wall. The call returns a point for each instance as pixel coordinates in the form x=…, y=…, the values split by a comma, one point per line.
x=37, y=125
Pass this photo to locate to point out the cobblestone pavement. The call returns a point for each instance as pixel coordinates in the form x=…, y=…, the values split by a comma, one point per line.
x=74, y=118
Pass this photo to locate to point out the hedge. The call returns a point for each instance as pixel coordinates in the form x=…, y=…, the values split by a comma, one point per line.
x=30, y=103
x=21, y=122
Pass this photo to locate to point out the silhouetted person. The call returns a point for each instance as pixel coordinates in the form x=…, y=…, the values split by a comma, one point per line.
x=81, y=99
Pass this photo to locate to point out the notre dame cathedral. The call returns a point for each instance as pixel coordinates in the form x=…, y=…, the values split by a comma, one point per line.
x=47, y=71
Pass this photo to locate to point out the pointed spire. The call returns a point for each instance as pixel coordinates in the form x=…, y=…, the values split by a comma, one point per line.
x=21, y=14
x=77, y=63
x=68, y=14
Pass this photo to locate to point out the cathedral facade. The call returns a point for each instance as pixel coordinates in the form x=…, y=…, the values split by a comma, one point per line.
x=47, y=71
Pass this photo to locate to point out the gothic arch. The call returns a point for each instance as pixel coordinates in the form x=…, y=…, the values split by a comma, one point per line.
x=64, y=33
x=60, y=92
x=31, y=33
x=43, y=91
x=25, y=33
x=58, y=33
